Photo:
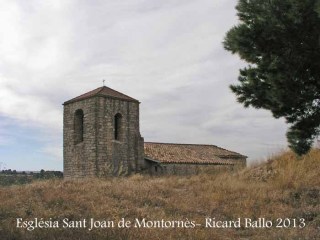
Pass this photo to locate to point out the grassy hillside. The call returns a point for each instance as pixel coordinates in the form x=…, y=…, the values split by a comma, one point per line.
x=284, y=187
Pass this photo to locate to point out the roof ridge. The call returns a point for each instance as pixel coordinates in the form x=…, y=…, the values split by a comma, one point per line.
x=103, y=91
x=117, y=92
x=193, y=144
x=84, y=94
x=231, y=151
x=100, y=89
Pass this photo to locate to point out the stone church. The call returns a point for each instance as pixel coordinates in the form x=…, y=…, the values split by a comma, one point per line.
x=101, y=137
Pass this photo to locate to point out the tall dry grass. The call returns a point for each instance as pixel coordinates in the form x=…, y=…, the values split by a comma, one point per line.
x=284, y=187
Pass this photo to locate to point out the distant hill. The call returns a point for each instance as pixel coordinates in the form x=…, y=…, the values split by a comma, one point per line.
x=11, y=177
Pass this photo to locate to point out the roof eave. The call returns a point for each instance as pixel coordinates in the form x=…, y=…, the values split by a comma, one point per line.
x=152, y=160
x=232, y=156
x=99, y=95
x=183, y=162
x=198, y=163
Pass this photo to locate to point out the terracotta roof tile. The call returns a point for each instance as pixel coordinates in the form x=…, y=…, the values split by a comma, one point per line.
x=102, y=91
x=189, y=153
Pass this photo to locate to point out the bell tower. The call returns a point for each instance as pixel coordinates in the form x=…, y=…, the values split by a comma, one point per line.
x=101, y=135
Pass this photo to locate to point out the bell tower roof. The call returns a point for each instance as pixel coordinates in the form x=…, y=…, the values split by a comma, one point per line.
x=104, y=92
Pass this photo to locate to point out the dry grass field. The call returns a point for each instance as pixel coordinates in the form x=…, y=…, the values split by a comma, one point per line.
x=284, y=187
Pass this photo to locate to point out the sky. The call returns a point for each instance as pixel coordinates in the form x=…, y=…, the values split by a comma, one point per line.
x=168, y=54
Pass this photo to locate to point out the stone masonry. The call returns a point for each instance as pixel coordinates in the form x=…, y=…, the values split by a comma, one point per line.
x=99, y=153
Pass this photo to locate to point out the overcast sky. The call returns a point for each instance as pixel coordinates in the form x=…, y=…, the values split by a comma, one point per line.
x=166, y=53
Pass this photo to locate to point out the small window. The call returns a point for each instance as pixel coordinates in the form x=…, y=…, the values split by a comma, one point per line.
x=117, y=126
x=156, y=169
x=78, y=126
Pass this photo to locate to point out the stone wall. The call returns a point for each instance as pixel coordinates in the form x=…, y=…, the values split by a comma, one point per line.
x=239, y=162
x=79, y=158
x=157, y=169
x=99, y=154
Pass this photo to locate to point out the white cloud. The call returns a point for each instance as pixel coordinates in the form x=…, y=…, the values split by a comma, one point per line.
x=29, y=109
x=168, y=54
